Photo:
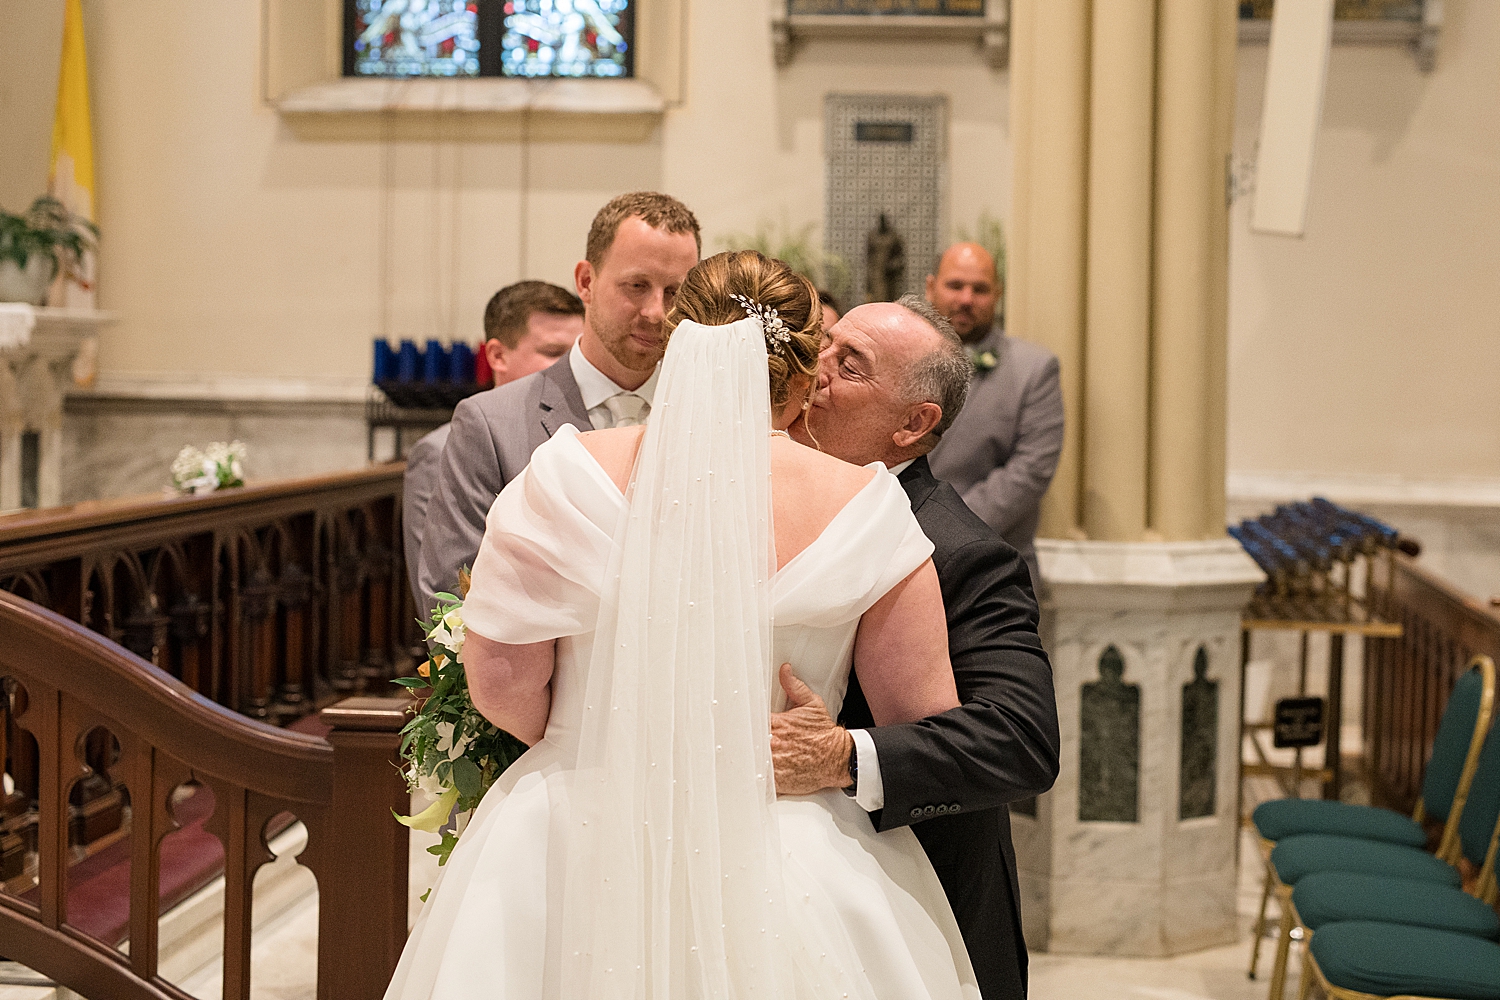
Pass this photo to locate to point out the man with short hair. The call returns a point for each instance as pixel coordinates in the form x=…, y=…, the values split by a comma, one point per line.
x=1002, y=451
x=527, y=327
x=640, y=249
x=892, y=378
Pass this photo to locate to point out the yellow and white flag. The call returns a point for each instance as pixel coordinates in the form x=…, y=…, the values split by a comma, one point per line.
x=71, y=179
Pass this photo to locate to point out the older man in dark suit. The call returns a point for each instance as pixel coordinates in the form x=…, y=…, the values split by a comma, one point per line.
x=893, y=378
x=527, y=327
x=1001, y=452
x=640, y=248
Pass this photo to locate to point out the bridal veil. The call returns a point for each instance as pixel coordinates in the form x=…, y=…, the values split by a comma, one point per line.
x=674, y=886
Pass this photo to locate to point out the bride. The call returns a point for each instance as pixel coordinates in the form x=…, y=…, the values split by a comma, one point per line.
x=633, y=592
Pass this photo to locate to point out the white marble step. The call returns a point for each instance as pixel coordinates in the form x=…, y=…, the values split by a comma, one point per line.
x=284, y=921
x=19, y=983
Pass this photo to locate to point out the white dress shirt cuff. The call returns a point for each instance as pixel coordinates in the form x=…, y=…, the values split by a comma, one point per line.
x=871, y=792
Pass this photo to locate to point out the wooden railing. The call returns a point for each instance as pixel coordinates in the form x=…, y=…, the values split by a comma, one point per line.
x=271, y=600
x=69, y=689
x=1407, y=680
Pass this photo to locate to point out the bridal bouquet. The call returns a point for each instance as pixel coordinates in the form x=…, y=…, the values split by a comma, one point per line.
x=449, y=749
x=215, y=467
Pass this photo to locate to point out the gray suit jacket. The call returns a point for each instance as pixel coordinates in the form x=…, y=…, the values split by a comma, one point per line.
x=417, y=488
x=490, y=441
x=1002, y=450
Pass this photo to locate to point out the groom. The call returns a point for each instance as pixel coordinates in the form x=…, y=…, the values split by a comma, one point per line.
x=892, y=378
x=640, y=248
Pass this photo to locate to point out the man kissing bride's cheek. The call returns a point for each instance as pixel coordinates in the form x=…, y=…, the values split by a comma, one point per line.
x=648, y=541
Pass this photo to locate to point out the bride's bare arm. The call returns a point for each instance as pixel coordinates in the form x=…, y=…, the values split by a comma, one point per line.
x=511, y=685
x=901, y=652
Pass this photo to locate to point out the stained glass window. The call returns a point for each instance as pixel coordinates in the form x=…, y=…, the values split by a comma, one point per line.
x=458, y=38
x=568, y=38
x=411, y=38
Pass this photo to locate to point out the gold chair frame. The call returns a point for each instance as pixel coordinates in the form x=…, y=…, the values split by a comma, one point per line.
x=1311, y=972
x=1449, y=848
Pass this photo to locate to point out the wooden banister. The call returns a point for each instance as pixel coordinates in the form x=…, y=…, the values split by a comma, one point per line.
x=1408, y=680
x=63, y=683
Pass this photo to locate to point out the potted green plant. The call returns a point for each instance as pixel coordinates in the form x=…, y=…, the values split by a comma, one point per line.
x=38, y=244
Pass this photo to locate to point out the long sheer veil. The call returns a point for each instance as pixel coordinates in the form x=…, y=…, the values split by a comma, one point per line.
x=674, y=886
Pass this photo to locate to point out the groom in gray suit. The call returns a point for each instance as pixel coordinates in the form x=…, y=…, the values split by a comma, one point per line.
x=1002, y=450
x=527, y=327
x=640, y=248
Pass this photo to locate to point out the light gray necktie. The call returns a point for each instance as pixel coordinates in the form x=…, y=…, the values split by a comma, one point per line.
x=626, y=409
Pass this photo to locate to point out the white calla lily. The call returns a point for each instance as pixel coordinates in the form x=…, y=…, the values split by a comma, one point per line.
x=434, y=816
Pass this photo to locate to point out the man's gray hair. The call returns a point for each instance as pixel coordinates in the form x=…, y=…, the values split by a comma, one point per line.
x=943, y=374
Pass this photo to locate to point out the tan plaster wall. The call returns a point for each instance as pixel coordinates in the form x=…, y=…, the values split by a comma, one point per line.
x=237, y=243
x=1372, y=345
x=30, y=46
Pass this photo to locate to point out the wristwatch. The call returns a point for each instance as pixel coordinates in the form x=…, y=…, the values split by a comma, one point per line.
x=852, y=789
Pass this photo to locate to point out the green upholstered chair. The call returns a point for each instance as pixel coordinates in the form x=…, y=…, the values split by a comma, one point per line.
x=1363, y=960
x=1330, y=897
x=1445, y=788
x=1450, y=771
x=1344, y=879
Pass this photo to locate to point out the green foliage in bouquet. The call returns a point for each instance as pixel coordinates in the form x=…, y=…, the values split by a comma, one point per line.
x=448, y=748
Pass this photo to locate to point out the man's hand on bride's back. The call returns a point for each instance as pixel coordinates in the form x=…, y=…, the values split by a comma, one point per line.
x=809, y=749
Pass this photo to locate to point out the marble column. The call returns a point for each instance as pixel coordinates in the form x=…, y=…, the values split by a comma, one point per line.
x=1121, y=114
x=1119, y=253
x=1046, y=254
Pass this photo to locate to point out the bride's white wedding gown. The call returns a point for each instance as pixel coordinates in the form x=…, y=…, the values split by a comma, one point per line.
x=869, y=902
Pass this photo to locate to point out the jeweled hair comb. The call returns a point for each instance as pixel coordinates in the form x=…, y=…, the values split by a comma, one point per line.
x=778, y=337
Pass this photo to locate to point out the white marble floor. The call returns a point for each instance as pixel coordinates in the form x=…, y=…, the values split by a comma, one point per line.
x=1213, y=974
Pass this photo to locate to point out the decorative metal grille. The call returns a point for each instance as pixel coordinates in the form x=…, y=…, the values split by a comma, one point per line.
x=886, y=154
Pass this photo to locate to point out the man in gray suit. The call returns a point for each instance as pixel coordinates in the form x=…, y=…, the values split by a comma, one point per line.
x=1002, y=450
x=640, y=248
x=527, y=327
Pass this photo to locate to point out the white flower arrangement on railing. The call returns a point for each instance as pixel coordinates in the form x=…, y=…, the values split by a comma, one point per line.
x=218, y=466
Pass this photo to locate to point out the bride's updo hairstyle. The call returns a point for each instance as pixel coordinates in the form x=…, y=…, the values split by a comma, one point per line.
x=706, y=297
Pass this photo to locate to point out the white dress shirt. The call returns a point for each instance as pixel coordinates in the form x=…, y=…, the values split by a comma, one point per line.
x=595, y=387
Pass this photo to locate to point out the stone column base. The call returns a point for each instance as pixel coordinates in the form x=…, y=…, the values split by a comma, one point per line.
x=1133, y=851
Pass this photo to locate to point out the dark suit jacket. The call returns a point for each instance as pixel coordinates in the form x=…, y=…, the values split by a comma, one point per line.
x=491, y=439
x=1000, y=745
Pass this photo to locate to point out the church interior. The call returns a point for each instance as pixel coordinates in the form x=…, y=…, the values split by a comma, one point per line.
x=1259, y=240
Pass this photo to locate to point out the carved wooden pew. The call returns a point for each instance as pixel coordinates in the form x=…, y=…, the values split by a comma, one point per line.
x=271, y=599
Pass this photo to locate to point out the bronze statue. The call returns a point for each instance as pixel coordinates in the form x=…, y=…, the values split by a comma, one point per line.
x=885, y=263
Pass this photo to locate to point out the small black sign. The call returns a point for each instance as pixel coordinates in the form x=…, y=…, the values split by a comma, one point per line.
x=1298, y=723
x=884, y=131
